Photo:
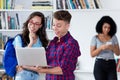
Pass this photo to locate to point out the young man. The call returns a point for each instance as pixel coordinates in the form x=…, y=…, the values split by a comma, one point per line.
x=63, y=51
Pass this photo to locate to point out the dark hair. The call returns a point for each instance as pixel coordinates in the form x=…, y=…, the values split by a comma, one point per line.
x=63, y=15
x=41, y=32
x=110, y=21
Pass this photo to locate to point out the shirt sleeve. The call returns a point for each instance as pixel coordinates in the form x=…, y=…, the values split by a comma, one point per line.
x=17, y=42
x=115, y=40
x=69, y=58
x=93, y=41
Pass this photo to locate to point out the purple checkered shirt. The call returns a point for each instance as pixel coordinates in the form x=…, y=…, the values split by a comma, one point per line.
x=64, y=54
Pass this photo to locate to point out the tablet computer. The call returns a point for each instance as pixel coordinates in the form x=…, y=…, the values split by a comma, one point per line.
x=31, y=56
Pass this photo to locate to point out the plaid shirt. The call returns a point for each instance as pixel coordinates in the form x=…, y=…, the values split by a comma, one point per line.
x=64, y=54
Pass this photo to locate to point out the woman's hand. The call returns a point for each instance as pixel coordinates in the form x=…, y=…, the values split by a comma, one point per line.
x=106, y=47
x=32, y=37
x=110, y=47
x=19, y=68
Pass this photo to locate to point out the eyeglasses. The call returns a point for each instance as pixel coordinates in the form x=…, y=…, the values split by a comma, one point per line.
x=36, y=24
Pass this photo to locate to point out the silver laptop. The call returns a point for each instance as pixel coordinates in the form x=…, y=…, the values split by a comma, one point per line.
x=31, y=56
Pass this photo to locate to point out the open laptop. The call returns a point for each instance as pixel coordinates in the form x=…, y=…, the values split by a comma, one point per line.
x=31, y=56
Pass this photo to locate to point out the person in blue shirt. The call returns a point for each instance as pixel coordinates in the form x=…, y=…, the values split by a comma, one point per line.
x=33, y=35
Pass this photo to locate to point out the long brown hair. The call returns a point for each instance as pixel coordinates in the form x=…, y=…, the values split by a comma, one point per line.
x=41, y=32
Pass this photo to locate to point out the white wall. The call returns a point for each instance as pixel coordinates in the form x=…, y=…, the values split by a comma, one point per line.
x=110, y=4
x=83, y=29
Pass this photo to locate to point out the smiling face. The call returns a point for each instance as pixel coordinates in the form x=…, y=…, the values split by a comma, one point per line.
x=60, y=27
x=34, y=24
x=106, y=28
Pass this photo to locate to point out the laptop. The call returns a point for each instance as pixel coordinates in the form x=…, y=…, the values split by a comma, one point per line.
x=31, y=56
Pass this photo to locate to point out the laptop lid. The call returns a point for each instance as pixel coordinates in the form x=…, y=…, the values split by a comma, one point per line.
x=31, y=56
